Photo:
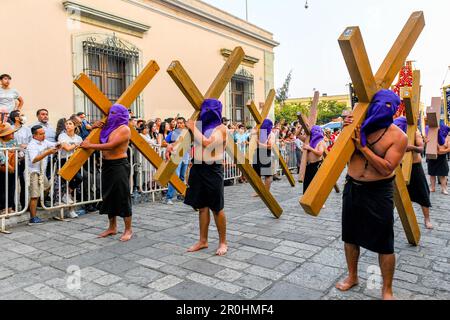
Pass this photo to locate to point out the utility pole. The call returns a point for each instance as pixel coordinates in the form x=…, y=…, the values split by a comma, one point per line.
x=246, y=10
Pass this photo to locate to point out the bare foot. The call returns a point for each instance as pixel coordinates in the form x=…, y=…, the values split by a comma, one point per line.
x=428, y=224
x=347, y=284
x=126, y=236
x=107, y=233
x=222, y=250
x=198, y=246
x=388, y=296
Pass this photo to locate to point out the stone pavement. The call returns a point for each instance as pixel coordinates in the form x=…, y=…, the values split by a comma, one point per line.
x=296, y=257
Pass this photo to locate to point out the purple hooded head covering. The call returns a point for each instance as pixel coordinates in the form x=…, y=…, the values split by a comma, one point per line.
x=316, y=136
x=210, y=116
x=118, y=116
x=401, y=123
x=443, y=133
x=265, y=130
x=380, y=115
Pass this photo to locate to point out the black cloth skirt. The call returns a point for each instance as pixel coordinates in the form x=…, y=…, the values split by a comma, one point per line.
x=368, y=215
x=116, y=188
x=418, y=188
x=310, y=173
x=206, y=187
x=262, y=162
x=438, y=167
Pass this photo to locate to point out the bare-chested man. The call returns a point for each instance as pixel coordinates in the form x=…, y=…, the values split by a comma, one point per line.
x=115, y=137
x=206, y=178
x=439, y=167
x=418, y=188
x=315, y=154
x=368, y=204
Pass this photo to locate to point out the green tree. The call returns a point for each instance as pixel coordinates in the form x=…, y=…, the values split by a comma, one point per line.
x=283, y=92
x=288, y=112
x=329, y=110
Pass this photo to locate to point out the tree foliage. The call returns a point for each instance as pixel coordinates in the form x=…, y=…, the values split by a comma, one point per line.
x=283, y=92
x=328, y=110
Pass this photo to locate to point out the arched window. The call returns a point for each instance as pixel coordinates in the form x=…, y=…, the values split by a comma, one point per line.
x=112, y=65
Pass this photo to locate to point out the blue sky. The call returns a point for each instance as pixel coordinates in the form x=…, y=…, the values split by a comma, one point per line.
x=309, y=38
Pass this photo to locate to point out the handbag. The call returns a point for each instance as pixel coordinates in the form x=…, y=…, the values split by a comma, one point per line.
x=11, y=163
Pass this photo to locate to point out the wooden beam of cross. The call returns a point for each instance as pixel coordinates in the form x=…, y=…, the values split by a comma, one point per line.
x=259, y=118
x=307, y=129
x=80, y=156
x=366, y=85
x=411, y=99
x=307, y=126
x=179, y=75
x=190, y=90
x=434, y=117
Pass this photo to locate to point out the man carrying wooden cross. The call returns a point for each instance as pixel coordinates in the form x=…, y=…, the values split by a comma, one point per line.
x=368, y=201
x=115, y=138
x=315, y=151
x=439, y=167
x=418, y=188
x=206, y=178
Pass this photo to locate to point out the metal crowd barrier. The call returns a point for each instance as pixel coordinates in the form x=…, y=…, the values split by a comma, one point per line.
x=143, y=187
x=10, y=183
x=87, y=192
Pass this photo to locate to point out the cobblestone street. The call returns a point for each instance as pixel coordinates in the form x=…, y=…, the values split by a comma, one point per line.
x=296, y=257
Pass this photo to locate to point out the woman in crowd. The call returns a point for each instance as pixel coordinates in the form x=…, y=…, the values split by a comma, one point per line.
x=69, y=141
x=163, y=133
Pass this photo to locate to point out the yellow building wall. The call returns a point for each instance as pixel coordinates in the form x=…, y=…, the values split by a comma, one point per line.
x=38, y=51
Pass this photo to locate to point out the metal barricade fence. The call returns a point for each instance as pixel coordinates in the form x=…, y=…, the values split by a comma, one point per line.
x=142, y=173
x=86, y=188
x=290, y=155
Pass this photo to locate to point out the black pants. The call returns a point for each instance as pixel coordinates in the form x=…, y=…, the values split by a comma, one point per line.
x=11, y=178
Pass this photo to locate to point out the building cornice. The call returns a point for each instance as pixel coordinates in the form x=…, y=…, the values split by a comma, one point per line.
x=247, y=59
x=216, y=20
x=102, y=16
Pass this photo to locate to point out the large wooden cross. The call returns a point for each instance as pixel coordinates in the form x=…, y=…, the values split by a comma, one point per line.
x=411, y=99
x=196, y=98
x=433, y=119
x=259, y=118
x=80, y=156
x=179, y=76
x=307, y=126
x=366, y=85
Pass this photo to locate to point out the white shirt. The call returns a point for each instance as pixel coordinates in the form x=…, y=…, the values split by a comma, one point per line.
x=298, y=143
x=23, y=135
x=8, y=99
x=34, y=149
x=64, y=138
